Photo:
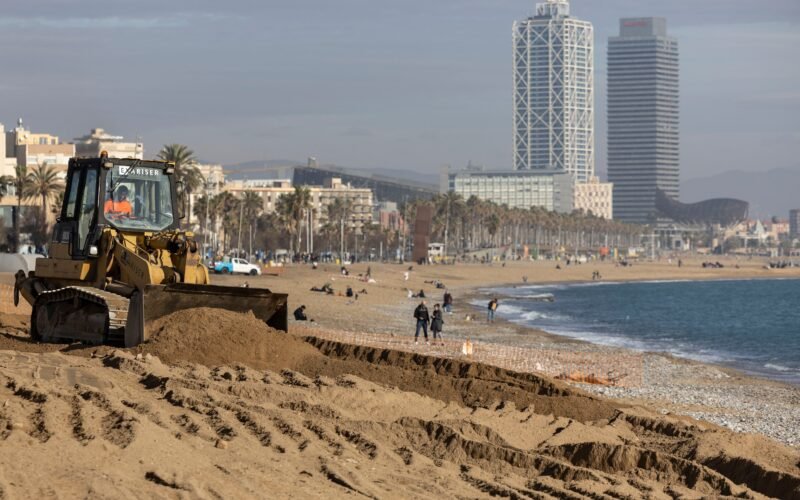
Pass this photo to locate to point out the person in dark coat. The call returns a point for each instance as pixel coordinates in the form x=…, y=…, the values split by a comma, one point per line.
x=300, y=314
x=437, y=323
x=491, y=309
x=423, y=318
x=448, y=302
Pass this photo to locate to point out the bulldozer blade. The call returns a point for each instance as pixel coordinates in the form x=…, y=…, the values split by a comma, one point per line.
x=157, y=301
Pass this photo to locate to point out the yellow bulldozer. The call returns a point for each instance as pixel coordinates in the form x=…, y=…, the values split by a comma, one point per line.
x=118, y=259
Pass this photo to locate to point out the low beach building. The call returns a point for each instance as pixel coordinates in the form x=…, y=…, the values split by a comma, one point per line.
x=548, y=189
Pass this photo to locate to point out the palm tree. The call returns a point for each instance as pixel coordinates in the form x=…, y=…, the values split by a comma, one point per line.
x=186, y=171
x=6, y=181
x=284, y=207
x=339, y=212
x=252, y=206
x=291, y=208
x=45, y=183
x=55, y=208
x=451, y=206
x=224, y=210
x=21, y=183
x=301, y=201
x=200, y=205
x=180, y=155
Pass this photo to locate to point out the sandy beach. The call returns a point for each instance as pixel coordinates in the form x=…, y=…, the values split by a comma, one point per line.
x=218, y=406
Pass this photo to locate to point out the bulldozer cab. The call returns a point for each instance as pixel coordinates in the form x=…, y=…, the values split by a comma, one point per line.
x=132, y=196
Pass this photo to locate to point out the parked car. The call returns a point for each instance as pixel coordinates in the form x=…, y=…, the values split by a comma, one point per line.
x=234, y=266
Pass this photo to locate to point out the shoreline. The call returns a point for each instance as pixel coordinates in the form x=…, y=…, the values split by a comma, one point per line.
x=733, y=371
x=721, y=394
x=713, y=392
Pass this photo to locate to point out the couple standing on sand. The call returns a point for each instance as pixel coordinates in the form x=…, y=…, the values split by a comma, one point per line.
x=423, y=318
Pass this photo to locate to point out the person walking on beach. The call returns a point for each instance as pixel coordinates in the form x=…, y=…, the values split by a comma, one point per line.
x=492, y=308
x=423, y=318
x=436, y=324
x=448, y=302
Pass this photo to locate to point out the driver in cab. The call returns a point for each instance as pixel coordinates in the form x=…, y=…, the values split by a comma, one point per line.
x=119, y=207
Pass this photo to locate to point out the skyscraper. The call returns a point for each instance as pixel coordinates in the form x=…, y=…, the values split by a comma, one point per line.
x=642, y=117
x=554, y=92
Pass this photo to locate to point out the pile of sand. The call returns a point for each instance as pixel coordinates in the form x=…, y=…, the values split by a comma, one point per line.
x=213, y=337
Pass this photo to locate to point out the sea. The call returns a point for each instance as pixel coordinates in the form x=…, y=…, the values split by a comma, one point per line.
x=751, y=325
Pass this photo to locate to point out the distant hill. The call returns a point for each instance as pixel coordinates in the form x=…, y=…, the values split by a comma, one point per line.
x=773, y=192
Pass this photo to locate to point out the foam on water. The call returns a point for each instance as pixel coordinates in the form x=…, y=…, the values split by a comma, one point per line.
x=747, y=324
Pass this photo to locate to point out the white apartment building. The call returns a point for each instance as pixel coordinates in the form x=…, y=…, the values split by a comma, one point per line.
x=321, y=197
x=23, y=147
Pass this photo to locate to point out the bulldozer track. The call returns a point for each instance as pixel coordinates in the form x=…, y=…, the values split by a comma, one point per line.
x=116, y=305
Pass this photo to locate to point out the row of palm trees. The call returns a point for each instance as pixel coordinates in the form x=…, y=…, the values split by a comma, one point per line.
x=241, y=222
x=464, y=225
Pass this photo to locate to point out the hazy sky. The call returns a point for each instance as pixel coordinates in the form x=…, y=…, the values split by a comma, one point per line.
x=407, y=84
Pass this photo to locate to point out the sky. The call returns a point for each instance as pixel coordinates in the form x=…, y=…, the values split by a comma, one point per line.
x=410, y=84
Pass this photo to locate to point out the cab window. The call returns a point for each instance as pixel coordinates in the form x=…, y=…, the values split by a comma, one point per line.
x=72, y=198
x=137, y=198
x=88, y=206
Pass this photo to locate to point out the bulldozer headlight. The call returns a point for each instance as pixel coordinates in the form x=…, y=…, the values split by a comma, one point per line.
x=93, y=251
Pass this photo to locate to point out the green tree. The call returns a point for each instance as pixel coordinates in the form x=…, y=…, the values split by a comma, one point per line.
x=55, y=208
x=252, y=206
x=302, y=203
x=449, y=207
x=186, y=171
x=202, y=204
x=6, y=182
x=285, y=212
x=225, y=210
x=44, y=183
x=292, y=208
x=21, y=183
x=339, y=211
